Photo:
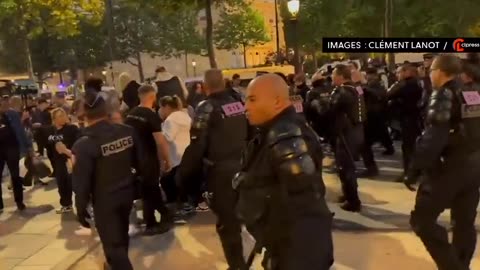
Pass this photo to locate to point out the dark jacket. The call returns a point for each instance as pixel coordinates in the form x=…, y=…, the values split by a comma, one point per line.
x=130, y=95
x=16, y=123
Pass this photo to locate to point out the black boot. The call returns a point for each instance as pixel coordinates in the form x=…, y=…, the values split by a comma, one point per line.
x=234, y=255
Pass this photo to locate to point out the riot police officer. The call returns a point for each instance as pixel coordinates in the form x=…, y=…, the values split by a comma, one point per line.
x=281, y=191
x=317, y=106
x=218, y=136
x=102, y=173
x=376, y=125
x=447, y=154
x=406, y=98
x=348, y=109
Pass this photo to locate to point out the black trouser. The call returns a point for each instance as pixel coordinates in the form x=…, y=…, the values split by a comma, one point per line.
x=152, y=195
x=170, y=186
x=111, y=220
x=452, y=186
x=346, y=150
x=223, y=203
x=410, y=132
x=367, y=152
x=316, y=255
x=42, y=141
x=377, y=128
x=64, y=182
x=11, y=157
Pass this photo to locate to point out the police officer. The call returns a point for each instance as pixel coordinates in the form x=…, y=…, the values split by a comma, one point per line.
x=406, y=96
x=447, y=154
x=281, y=191
x=376, y=125
x=317, y=106
x=102, y=173
x=348, y=109
x=218, y=137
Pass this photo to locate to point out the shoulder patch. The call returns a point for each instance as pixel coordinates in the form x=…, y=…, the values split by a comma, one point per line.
x=471, y=97
x=233, y=109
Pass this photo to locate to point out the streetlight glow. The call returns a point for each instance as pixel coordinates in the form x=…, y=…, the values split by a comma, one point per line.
x=294, y=7
x=194, y=63
x=104, y=73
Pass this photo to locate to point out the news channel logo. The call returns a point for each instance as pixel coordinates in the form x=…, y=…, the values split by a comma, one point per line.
x=459, y=45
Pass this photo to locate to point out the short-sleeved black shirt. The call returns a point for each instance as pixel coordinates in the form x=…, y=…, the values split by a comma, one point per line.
x=145, y=122
x=68, y=135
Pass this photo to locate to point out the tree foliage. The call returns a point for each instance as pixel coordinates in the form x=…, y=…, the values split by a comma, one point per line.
x=240, y=28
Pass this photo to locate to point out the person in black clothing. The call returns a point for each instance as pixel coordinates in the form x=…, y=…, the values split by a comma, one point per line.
x=169, y=85
x=317, y=106
x=447, y=155
x=102, y=174
x=61, y=138
x=148, y=126
x=406, y=96
x=129, y=90
x=376, y=124
x=218, y=135
x=301, y=87
x=281, y=190
x=196, y=95
x=348, y=109
x=13, y=144
x=41, y=122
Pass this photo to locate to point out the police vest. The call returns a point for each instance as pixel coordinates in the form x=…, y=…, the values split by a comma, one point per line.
x=358, y=113
x=113, y=170
x=469, y=127
x=228, y=131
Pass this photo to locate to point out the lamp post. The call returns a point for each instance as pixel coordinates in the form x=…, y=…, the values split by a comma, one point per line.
x=276, y=31
x=194, y=65
x=293, y=8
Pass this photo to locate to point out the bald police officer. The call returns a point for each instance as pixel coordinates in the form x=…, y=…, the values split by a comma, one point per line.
x=280, y=185
x=104, y=158
x=448, y=154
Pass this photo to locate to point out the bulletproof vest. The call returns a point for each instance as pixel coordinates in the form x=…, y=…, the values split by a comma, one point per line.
x=469, y=128
x=228, y=131
x=113, y=170
x=171, y=87
x=356, y=113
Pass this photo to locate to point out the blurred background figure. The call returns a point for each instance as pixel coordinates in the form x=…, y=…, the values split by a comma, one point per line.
x=129, y=89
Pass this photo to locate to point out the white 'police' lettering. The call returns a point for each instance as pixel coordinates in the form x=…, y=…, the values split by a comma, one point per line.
x=117, y=146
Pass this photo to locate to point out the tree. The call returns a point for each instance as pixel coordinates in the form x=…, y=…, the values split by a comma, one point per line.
x=182, y=34
x=240, y=28
x=28, y=19
x=138, y=29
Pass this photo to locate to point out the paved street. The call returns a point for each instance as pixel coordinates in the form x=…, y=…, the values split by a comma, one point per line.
x=378, y=238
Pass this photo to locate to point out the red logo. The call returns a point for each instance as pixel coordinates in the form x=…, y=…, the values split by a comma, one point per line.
x=457, y=45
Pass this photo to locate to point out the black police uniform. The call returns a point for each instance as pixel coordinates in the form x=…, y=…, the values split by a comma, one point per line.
x=218, y=136
x=281, y=195
x=447, y=154
x=376, y=125
x=104, y=158
x=68, y=134
x=317, y=109
x=406, y=96
x=347, y=105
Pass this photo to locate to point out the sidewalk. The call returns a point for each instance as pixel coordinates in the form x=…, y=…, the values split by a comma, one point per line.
x=378, y=238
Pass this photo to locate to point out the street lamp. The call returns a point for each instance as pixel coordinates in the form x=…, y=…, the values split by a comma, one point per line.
x=194, y=65
x=293, y=8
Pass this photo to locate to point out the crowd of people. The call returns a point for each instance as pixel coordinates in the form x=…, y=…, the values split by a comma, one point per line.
x=254, y=155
